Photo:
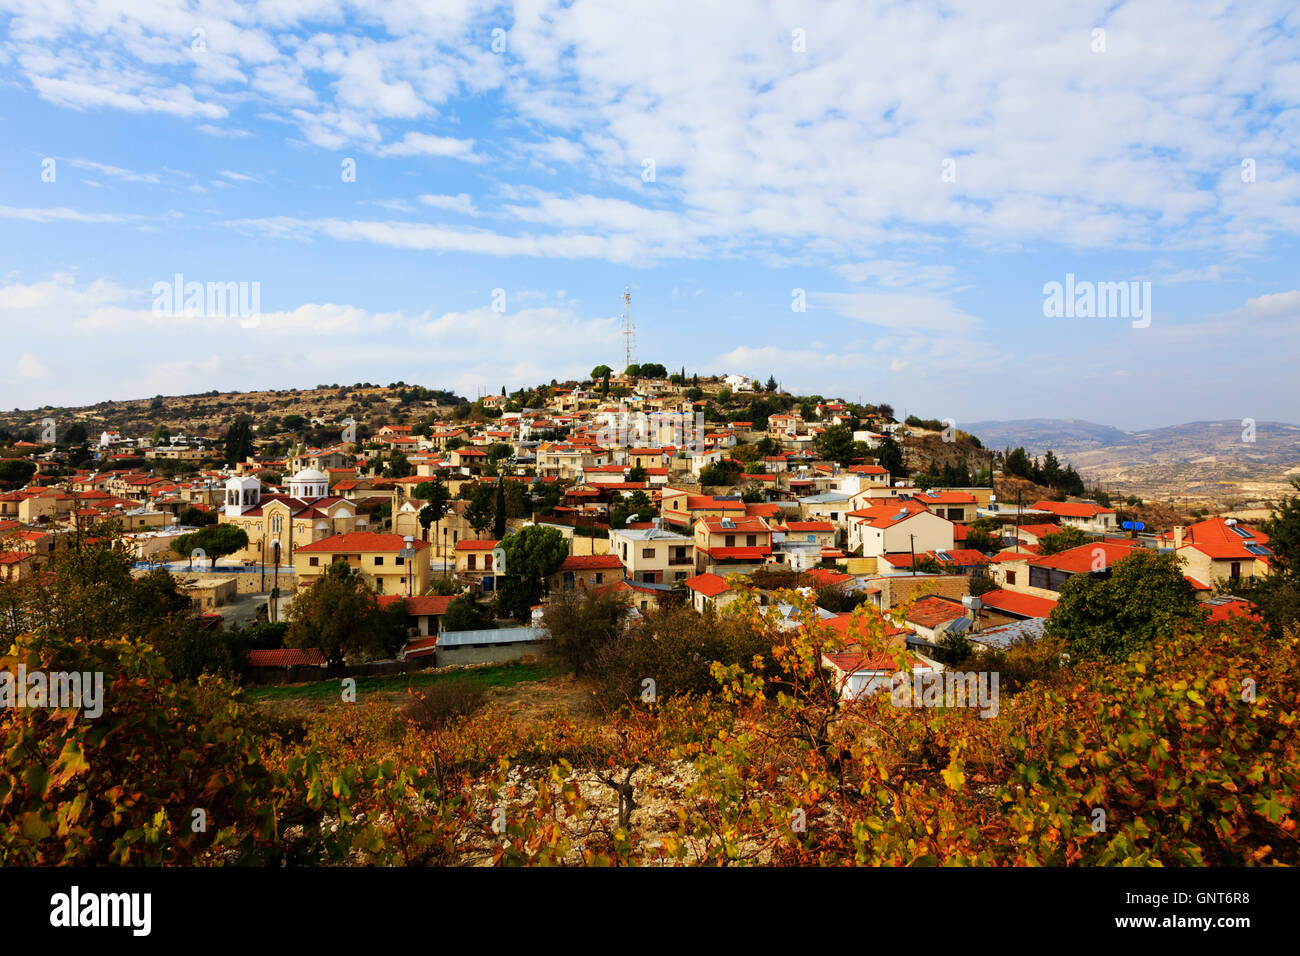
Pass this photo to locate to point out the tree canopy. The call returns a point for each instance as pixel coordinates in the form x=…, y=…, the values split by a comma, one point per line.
x=1113, y=613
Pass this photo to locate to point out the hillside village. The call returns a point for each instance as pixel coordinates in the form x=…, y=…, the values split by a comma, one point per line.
x=665, y=491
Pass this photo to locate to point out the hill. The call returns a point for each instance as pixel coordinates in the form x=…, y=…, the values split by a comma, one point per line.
x=1215, y=461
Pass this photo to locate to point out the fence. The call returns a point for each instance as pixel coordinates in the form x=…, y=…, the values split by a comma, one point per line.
x=302, y=675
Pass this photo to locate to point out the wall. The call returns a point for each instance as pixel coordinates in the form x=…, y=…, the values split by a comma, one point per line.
x=496, y=654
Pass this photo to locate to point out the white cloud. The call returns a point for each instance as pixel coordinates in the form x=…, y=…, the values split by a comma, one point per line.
x=461, y=202
x=116, y=172
x=57, y=214
x=420, y=236
x=900, y=312
x=425, y=144
x=29, y=366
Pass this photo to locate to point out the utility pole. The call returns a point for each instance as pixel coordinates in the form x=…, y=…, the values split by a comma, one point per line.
x=275, y=588
x=1019, y=494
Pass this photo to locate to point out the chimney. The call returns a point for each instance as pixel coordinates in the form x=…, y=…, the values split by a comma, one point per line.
x=1178, y=537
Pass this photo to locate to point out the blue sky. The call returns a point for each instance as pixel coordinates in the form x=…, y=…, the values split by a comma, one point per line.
x=795, y=146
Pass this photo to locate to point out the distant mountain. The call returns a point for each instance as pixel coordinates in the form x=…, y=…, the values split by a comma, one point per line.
x=1212, y=460
x=1037, y=435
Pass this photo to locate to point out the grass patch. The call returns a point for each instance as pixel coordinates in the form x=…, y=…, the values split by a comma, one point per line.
x=504, y=675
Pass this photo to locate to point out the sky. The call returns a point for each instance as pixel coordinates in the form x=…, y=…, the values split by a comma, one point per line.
x=867, y=201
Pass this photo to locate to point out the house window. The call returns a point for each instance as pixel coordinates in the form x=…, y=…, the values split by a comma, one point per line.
x=276, y=523
x=379, y=560
x=648, y=553
x=751, y=540
x=600, y=577
x=399, y=560
x=473, y=562
x=487, y=562
x=1236, y=571
x=1011, y=577
x=731, y=541
x=313, y=562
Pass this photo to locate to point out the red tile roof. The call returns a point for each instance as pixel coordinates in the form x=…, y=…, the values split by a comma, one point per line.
x=476, y=545
x=1236, y=607
x=1071, y=509
x=737, y=554
x=287, y=657
x=1215, y=538
x=421, y=647
x=418, y=606
x=361, y=541
x=591, y=562
x=855, y=662
x=1097, y=555
x=710, y=585
x=1020, y=605
x=933, y=610
x=749, y=524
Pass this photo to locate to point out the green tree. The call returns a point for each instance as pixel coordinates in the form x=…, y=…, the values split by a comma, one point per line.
x=1065, y=539
x=889, y=456
x=16, y=472
x=481, y=512
x=215, y=540
x=1141, y=598
x=533, y=554
x=499, y=512
x=398, y=466
x=463, y=614
x=1277, y=594
x=599, y=372
x=196, y=517
x=580, y=624
x=720, y=473
x=1017, y=464
x=982, y=541
x=239, y=440
x=338, y=614
x=437, y=502
x=836, y=444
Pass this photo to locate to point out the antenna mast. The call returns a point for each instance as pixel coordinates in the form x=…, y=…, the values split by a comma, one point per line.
x=629, y=330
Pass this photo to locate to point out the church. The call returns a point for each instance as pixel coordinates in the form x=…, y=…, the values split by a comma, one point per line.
x=306, y=514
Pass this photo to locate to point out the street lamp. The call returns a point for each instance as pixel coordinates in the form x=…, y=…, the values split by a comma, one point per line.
x=407, y=553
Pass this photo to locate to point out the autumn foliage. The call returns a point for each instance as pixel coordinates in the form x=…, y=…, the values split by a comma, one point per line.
x=1184, y=753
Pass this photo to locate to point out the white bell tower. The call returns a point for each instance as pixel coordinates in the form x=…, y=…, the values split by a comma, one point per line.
x=242, y=494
